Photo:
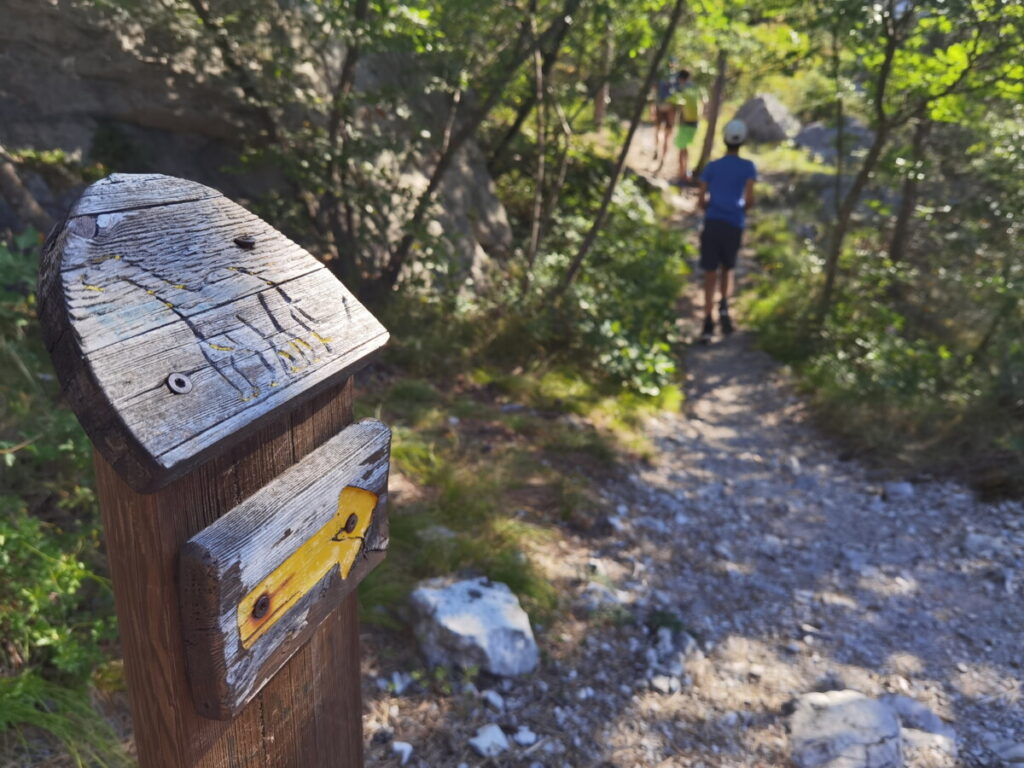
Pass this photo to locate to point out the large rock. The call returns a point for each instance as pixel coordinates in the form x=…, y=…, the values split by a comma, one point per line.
x=131, y=97
x=475, y=622
x=767, y=119
x=844, y=729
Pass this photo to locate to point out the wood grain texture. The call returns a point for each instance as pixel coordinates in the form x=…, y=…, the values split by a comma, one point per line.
x=225, y=564
x=307, y=715
x=151, y=276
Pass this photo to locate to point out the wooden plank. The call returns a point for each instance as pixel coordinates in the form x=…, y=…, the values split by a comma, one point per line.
x=260, y=580
x=124, y=191
x=308, y=715
x=138, y=290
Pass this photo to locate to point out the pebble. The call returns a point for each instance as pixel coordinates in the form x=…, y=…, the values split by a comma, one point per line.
x=404, y=751
x=524, y=737
x=666, y=684
x=898, y=491
x=494, y=700
x=490, y=741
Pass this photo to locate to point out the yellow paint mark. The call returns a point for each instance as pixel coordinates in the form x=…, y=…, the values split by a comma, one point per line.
x=88, y=287
x=321, y=339
x=305, y=567
x=221, y=348
x=168, y=305
x=232, y=269
x=295, y=345
x=273, y=384
x=284, y=354
x=298, y=368
x=107, y=257
x=151, y=293
x=179, y=286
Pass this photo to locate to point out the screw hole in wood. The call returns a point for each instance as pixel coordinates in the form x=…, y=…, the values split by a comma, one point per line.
x=179, y=383
x=261, y=607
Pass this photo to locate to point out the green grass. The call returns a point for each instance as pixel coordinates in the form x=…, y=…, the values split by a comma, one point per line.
x=492, y=482
x=29, y=702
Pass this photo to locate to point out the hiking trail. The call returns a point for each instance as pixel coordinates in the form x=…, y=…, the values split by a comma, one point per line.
x=746, y=564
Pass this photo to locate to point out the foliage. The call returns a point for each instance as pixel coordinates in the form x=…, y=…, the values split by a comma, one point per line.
x=28, y=699
x=56, y=610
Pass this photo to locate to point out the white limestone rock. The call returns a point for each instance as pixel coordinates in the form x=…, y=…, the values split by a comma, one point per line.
x=844, y=729
x=767, y=119
x=490, y=741
x=475, y=622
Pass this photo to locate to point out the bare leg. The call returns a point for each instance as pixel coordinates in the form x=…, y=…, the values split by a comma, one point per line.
x=710, y=278
x=725, y=284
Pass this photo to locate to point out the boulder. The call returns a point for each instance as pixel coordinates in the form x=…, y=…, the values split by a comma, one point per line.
x=844, y=729
x=767, y=119
x=474, y=622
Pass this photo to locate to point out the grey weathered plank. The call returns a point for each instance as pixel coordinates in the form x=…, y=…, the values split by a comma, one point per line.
x=123, y=191
x=225, y=562
x=136, y=287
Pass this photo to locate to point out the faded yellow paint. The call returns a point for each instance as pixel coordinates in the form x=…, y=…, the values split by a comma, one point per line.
x=303, y=342
x=321, y=339
x=221, y=348
x=305, y=567
x=107, y=257
x=284, y=354
x=88, y=287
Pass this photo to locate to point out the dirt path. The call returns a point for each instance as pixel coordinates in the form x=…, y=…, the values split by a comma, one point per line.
x=745, y=565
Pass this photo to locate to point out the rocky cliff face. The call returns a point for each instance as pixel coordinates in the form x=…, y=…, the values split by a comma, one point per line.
x=70, y=83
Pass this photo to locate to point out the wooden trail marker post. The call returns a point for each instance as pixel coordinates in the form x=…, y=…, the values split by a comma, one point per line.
x=209, y=359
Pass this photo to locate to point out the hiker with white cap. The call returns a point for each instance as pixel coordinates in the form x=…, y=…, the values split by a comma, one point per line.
x=726, y=194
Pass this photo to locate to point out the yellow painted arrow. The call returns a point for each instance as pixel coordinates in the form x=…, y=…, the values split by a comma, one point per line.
x=337, y=543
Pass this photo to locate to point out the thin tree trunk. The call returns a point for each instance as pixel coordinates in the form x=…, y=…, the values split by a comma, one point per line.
x=714, y=109
x=340, y=216
x=840, y=121
x=560, y=29
x=538, y=180
x=908, y=200
x=604, y=92
x=852, y=198
x=638, y=108
x=452, y=143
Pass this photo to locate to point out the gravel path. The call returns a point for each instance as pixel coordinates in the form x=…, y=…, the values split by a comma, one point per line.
x=745, y=565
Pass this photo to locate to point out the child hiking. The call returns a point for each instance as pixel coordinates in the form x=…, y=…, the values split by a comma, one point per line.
x=688, y=99
x=726, y=193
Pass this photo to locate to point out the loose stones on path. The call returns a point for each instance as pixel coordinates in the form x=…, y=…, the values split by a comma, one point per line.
x=844, y=729
x=475, y=622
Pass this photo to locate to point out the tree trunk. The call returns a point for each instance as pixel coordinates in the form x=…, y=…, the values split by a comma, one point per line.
x=560, y=29
x=714, y=108
x=603, y=93
x=849, y=204
x=638, y=108
x=908, y=201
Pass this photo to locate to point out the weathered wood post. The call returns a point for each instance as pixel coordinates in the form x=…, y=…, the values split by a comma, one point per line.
x=209, y=358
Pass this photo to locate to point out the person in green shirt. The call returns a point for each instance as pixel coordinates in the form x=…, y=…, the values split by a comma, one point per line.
x=688, y=102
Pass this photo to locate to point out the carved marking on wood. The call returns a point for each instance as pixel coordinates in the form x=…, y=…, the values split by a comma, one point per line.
x=136, y=287
x=336, y=544
x=256, y=583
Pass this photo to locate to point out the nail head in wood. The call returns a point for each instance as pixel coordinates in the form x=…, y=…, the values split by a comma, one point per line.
x=245, y=242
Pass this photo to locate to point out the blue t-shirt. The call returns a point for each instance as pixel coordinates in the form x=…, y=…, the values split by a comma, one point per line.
x=727, y=179
x=666, y=88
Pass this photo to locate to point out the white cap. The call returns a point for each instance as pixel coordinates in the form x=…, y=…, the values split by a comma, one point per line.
x=735, y=132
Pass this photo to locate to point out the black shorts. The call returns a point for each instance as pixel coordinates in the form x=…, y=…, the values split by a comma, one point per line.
x=719, y=245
